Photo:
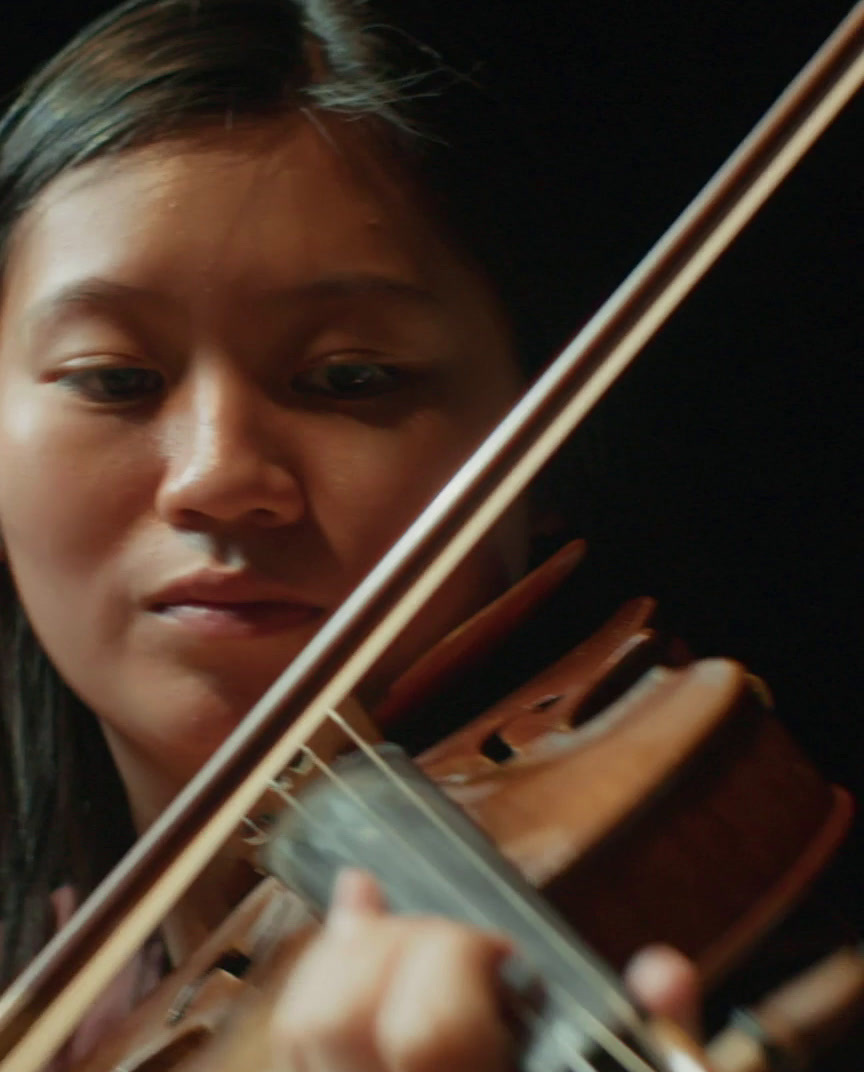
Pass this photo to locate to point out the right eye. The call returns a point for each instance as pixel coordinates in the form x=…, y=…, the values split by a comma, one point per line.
x=351, y=380
x=115, y=385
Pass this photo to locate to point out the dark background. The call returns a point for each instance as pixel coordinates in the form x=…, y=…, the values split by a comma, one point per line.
x=730, y=457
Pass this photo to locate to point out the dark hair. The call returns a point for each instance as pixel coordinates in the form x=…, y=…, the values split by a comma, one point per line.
x=153, y=69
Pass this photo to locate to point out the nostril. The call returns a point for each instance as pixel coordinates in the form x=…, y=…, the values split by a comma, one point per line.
x=265, y=518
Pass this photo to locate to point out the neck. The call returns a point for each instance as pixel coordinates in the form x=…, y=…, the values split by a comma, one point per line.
x=220, y=886
x=206, y=904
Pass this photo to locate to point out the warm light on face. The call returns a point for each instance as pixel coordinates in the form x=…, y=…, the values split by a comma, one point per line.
x=252, y=355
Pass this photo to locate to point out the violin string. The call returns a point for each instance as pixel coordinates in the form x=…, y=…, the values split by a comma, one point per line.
x=528, y=1014
x=594, y=1029
x=257, y=835
x=519, y=1003
x=598, y=1032
x=601, y=1034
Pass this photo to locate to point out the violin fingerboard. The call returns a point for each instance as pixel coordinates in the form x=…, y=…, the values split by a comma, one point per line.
x=375, y=810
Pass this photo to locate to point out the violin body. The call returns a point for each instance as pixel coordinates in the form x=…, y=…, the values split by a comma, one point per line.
x=685, y=788
x=647, y=801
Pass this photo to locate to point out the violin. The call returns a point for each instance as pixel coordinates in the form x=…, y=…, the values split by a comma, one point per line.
x=709, y=754
x=260, y=751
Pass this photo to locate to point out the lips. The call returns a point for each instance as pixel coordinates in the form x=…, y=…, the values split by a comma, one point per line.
x=223, y=604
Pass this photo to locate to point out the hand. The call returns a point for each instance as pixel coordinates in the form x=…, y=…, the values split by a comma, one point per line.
x=666, y=984
x=382, y=993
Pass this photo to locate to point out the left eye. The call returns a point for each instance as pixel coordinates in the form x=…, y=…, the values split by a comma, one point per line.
x=114, y=384
x=349, y=379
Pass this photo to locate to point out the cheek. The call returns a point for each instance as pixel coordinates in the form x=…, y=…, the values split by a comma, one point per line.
x=376, y=480
x=63, y=503
x=370, y=484
x=379, y=486
x=66, y=506
x=54, y=468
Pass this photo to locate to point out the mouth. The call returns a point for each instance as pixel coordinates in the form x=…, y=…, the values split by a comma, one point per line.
x=237, y=619
x=212, y=603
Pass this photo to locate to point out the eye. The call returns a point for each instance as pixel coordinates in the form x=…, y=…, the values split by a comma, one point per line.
x=349, y=379
x=117, y=385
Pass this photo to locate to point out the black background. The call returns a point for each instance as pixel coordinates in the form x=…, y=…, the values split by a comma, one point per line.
x=732, y=455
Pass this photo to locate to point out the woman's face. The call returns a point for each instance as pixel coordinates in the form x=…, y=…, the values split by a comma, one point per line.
x=231, y=372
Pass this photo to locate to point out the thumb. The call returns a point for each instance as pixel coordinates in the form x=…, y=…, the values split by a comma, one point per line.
x=667, y=985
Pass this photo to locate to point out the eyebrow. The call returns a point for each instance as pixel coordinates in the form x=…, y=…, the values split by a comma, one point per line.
x=354, y=285
x=90, y=292
x=95, y=291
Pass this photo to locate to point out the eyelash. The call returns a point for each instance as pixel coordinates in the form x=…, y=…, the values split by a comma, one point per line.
x=348, y=380
x=95, y=384
x=339, y=380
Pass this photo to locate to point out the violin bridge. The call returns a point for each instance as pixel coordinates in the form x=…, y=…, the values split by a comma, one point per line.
x=343, y=729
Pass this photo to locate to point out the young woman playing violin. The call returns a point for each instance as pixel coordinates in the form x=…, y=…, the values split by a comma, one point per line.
x=257, y=307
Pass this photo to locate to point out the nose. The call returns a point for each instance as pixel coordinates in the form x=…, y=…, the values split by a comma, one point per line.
x=229, y=459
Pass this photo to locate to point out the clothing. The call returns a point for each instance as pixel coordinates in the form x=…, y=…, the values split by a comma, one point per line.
x=131, y=986
x=270, y=922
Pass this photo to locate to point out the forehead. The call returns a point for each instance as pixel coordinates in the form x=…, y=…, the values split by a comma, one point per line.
x=246, y=209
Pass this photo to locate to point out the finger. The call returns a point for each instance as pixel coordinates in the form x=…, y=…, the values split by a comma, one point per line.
x=324, y=1018
x=667, y=984
x=443, y=1008
x=356, y=897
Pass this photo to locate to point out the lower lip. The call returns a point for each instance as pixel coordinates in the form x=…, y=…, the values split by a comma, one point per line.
x=238, y=619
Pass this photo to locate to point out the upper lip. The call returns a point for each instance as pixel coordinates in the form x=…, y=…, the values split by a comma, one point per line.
x=216, y=588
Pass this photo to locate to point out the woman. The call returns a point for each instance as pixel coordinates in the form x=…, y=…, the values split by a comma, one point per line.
x=256, y=308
